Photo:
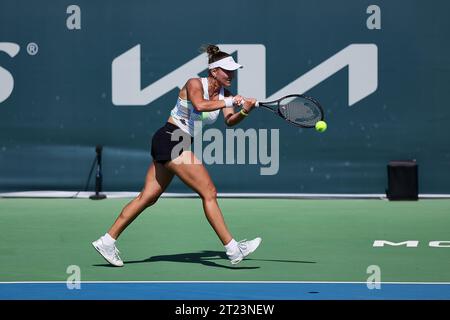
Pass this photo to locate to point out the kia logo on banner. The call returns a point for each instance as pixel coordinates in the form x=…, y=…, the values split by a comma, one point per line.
x=361, y=59
x=6, y=78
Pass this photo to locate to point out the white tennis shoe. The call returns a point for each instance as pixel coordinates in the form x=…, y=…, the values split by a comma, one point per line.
x=244, y=248
x=109, y=253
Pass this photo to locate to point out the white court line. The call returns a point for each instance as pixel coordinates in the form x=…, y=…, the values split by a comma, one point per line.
x=173, y=281
x=115, y=195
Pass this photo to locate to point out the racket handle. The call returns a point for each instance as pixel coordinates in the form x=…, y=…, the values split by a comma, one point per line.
x=242, y=103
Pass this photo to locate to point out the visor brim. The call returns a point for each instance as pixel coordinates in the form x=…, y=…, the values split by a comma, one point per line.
x=231, y=67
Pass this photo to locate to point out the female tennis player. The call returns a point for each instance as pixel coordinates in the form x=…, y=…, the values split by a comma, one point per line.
x=201, y=99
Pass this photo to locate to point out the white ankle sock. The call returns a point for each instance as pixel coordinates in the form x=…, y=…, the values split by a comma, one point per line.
x=108, y=240
x=231, y=246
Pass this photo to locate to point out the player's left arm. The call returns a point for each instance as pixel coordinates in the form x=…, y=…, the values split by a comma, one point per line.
x=233, y=117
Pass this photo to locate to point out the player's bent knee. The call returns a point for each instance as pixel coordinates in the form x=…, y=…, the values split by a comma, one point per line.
x=209, y=195
x=148, y=202
x=148, y=199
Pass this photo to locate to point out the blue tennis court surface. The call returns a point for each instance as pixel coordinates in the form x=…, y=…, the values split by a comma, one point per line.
x=223, y=291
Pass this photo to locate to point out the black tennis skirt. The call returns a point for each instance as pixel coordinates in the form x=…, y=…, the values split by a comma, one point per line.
x=162, y=144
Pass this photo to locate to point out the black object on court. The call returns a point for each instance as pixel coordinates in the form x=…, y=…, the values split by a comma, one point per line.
x=98, y=175
x=402, y=180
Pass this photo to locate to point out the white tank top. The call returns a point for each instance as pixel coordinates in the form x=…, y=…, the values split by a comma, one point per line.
x=185, y=115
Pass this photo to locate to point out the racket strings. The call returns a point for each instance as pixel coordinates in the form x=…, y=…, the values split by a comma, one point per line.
x=301, y=111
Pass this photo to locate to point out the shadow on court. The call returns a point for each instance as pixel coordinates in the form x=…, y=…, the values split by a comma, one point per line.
x=204, y=257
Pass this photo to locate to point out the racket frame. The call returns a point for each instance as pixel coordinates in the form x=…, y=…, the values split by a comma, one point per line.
x=276, y=109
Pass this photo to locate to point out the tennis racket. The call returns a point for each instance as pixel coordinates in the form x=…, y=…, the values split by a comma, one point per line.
x=297, y=109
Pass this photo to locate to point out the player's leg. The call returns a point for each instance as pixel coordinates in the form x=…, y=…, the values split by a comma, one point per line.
x=195, y=175
x=189, y=169
x=157, y=179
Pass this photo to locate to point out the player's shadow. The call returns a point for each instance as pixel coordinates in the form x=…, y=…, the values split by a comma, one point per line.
x=203, y=257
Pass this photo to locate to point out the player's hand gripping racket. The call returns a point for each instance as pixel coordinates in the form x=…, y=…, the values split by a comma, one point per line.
x=297, y=109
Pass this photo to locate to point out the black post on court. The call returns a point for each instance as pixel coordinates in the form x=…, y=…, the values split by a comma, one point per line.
x=98, y=175
x=402, y=180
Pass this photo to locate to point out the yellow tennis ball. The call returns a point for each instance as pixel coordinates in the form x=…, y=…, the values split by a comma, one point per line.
x=321, y=126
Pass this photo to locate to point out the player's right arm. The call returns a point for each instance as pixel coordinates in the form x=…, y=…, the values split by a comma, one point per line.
x=194, y=90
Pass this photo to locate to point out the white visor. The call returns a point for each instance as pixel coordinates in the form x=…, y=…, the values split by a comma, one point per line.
x=227, y=63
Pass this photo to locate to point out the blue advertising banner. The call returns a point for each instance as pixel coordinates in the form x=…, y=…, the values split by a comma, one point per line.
x=76, y=74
